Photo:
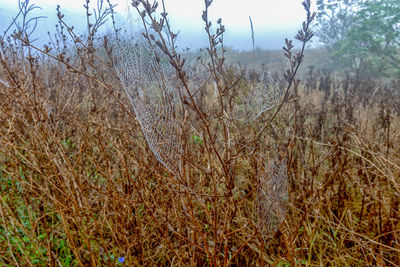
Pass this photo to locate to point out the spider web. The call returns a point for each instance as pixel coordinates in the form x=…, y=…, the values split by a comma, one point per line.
x=272, y=198
x=148, y=82
x=252, y=103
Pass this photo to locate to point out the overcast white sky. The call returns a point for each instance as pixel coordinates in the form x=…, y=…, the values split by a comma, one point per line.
x=273, y=18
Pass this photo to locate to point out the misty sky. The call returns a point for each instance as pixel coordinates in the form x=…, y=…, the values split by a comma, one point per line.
x=273, y=20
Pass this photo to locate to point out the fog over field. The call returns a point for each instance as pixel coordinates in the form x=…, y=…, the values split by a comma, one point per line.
x=273, y=21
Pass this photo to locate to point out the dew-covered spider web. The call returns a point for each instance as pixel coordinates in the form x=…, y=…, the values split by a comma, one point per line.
x=272, y=198
x=253, y=102
x=149, y=82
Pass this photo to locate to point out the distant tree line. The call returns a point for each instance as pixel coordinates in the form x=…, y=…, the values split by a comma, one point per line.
x=362, y=36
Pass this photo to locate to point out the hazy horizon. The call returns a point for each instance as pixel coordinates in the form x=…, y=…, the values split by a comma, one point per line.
x=273, y=20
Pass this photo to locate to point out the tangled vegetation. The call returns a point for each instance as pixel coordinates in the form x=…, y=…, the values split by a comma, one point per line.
x=100, y=166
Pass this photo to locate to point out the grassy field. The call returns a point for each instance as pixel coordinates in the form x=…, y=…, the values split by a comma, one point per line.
x=83, y=184
x=80, y=186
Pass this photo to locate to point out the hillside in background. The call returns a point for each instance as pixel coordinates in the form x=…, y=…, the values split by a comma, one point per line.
x=275, y=60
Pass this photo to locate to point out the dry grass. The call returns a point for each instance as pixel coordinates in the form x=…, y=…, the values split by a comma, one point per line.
x=79, y=185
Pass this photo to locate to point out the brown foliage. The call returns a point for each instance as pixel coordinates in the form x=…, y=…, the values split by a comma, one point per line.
x=79, y=184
